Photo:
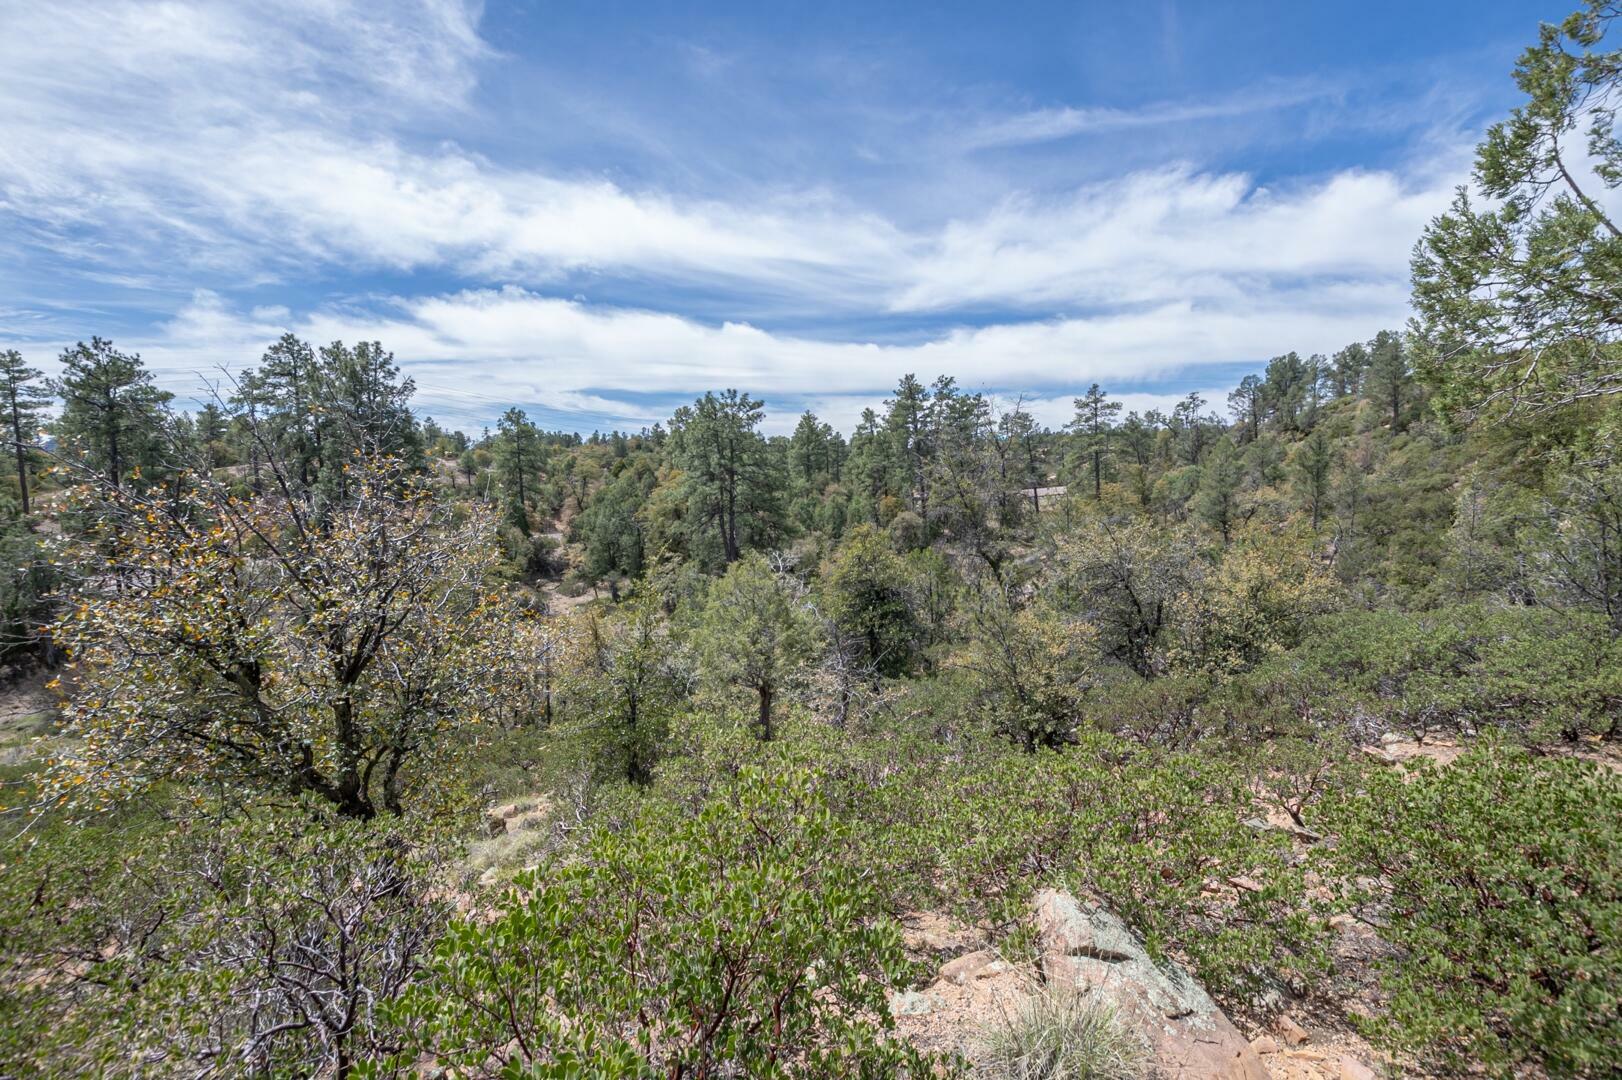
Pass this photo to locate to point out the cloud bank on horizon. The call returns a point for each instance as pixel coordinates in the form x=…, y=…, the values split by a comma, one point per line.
x=599, y=215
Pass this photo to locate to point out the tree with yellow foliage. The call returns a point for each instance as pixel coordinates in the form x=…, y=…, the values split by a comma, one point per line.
x=1253, y=604
x=243, y=642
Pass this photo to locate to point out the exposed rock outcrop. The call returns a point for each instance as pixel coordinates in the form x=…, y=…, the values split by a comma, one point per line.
x=1093, y=951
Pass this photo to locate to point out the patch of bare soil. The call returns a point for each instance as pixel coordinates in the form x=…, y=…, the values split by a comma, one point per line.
x=27, y=710
x=1395, y=750
x=517, y=834
x=559, y=603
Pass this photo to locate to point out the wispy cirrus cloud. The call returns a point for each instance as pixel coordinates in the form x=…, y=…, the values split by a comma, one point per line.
x=1066, y=121
x=170, y=146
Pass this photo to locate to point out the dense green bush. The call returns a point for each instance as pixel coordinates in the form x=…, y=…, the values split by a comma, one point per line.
x=1533, y=672
x=738, y=941
x=1498, y=880
x=1159, y=838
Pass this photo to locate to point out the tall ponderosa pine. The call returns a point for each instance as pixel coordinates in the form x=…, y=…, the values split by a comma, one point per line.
x=731, y=477
x=815, y=452
x=1095, y=423
x=1023, y=448
x=312, y=412
x=1245, y=402
x=907, y=420
x=113, y=416
x=1313, y=462
x=1217, y=501
x=370, y=403
x=23, y=396
x=868, y=467
x=290, y=389
x=517, y=459
x=1387, y=380
x=1285, y=389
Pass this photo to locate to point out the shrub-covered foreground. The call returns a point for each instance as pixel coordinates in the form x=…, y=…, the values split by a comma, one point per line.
x=739, y=918
x=740, y=941
x=1499, y=881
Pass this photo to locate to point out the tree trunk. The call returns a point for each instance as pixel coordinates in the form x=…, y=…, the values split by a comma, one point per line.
x=22, y=456
x=766, y=733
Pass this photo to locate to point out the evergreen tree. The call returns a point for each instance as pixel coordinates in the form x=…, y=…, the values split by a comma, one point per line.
x=907, y=422
x=1137, y=434
x=814, y=452
x=23, y=396
x=1347, y=368
x=1285, y=388
x=516, y=455
x=290, y=389
x=1388, y=375
x=755, y=633
x=1516, y=301
x=370, y=403
x=210, y=431
x=1094, y=424
x=866, y=596
x=1313, y=462
x=1217, y=500
x=1193, y=430
x=870, y=466
x=732, y=482
x=112, y=414
x=1020, y=436
x=1246, y=405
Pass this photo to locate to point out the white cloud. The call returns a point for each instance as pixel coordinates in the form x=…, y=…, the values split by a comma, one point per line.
x=181, y=141
x=250, y=140
x=1063, y=122
x=576, y=357
x=257, y=139
x=1175, y=234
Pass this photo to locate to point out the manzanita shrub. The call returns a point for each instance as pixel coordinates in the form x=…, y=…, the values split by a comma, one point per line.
x=738, y=941
x=1498, y=881
x=1167, y=841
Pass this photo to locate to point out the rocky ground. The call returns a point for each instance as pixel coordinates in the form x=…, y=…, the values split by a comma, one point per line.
x=1086, y=948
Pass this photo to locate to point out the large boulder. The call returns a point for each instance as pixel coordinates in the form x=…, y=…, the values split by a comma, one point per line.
x=1086, y=947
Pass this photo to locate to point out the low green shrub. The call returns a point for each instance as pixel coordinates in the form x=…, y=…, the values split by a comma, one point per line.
x=1534, y=673
x=1159, y=838
x=1498, y=880
x=258, y=945
x=740, y=941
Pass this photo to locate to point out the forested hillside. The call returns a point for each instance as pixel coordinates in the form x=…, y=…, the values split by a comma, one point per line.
x=339, y=743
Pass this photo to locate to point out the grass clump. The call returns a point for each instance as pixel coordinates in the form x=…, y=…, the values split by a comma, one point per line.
x=1055, y=1034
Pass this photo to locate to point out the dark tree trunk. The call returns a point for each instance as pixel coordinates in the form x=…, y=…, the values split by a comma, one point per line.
x=766, y=731
x=22, y=455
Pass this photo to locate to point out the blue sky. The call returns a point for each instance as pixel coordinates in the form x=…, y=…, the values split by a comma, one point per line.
x=599, y=210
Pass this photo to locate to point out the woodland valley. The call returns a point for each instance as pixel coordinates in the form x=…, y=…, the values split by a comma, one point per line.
x=1274, y=736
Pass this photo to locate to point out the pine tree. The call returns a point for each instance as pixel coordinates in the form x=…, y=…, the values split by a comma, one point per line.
x=1388, y=375
x=1094, y=423
x=516, y=452
x=1313, y=461
x=112, y=414
x=907, y=421
x=1217, y=499
x=732, y=480
x=1246, y=405
x=23, y=397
